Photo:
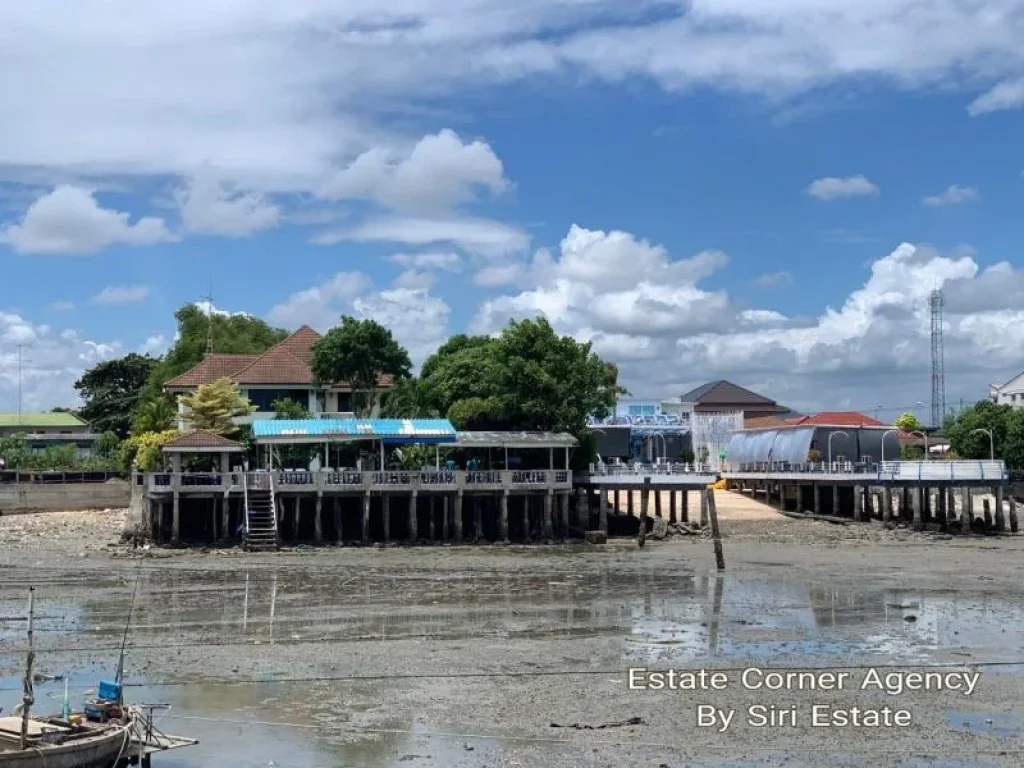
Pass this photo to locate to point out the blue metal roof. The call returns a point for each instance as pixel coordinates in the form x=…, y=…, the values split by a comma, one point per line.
x=320, y=430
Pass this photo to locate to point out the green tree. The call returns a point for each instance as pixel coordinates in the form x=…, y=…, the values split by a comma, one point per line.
x=111, y=390
x=286, y=408
x=214, y=406
x=145, y=450
x=154, y=415
x=358, y=352
x=14, y=451
x=107, y=445
x=908, y=422
x=409, y=399
x=1005, y=424
x=237, y=334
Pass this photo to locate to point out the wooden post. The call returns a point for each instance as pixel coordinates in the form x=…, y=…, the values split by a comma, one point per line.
x=835, y=500
x=886, y=505
x=444, y=518
x=565, y=515
x=966, y=514
x=366, y=518
x=213, y=519
x=581, y=507
x=386, y=505
x=526, y=518
x=1000, y=515
x=704, y=513
x=858, y=503
x=337, y=518
x=950, y=504
x=629, y=502
x=716, y=534
x=817, y=499
x=916, y=502
x=298, y=500
x=615, y=497
x=549, y=523
x=684, y=505
x=225, y=517
x=1013, y=514
x=503, y=522
x=432, y=535
x=657, y=503
x=942, y=508
x=413, y=522
x=602, y=514
x=987, y=511
x=458, y=516
x=176, y=518
x=478, y=519
x=644, y=499
x=672, y=506
x=318, y=521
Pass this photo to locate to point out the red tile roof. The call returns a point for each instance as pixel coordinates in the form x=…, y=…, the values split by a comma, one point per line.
x=200, y=438
x=836, y=419
x=213, y=367
x=764, y=422
x=287, y=363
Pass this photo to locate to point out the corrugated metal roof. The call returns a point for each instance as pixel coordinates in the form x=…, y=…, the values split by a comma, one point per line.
x=391, y=430
x=513, y=440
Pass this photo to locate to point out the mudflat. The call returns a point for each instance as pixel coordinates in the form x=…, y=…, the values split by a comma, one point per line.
x=819, y=645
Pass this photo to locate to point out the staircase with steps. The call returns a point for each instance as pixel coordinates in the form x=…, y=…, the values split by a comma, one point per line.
x=260, y=514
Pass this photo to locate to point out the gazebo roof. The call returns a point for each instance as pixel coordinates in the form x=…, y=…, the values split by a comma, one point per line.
x=202, y=441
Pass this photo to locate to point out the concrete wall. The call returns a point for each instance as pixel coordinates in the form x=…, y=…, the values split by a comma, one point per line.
x=37, y=497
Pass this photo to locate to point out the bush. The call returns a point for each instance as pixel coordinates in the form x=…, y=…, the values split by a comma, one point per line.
x=145, y=450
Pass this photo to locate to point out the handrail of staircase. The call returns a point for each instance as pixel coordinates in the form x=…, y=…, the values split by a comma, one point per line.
x=245, y=501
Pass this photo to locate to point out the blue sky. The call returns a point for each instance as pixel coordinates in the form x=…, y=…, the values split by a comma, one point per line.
x=764, y=192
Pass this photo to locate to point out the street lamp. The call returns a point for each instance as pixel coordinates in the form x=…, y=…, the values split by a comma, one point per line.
x=991, y=443
x=888, y=431
x=831, y=435
x=925, y=436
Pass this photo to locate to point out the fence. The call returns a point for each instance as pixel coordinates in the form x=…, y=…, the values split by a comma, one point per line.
x=40, y=476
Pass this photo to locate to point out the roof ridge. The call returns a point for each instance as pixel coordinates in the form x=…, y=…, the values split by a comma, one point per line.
x=238, y=374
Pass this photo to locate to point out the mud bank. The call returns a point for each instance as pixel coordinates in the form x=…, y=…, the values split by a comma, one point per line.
x=462, y=656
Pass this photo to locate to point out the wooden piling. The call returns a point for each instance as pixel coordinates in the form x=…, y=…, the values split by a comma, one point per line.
x=296, y=519
x=527, y=533
x=967, y=513
x=213, y=519
x=433, y=538
x=458, y=516
x=318, y=520
x=366, y=518
x=858, y=503
x=942, y=508
x=704, y=512
x=986, y=507
x=176, y=518
x=336, y=501
x=817, y=499
x=413, y=522
x=886, y=505
x=445, y=516
x=602, y=515
x=478, y=525
x=716, y=534
x=565, y=515
x=684, y=506
x=1013, y=515
x=225, y=517
x=549, y=523
x=672, y=506
x=629, y=502
x=657, y=503
x=615, y=496
x=917, y=495
x=644, y=498
x=1000, y=515
x=503, y=524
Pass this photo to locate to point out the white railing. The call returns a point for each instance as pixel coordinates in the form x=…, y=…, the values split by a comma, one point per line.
x=346, y=479
x=334, y=415
x=937, y=471
x=651, y=469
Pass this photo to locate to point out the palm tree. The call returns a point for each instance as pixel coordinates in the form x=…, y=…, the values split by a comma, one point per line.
x=155, y=415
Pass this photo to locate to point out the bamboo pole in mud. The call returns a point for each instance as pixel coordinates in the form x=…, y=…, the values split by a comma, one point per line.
x=644, y=497
x=715, y=533
x=28, y=694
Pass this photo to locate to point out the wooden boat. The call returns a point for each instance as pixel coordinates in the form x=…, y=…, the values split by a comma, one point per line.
x=53, y=743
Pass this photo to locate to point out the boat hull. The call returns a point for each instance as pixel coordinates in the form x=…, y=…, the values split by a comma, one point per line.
x=100, y=751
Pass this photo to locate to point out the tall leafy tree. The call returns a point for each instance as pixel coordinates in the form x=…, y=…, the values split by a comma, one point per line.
x=111, y=391
x=1004, y=422
x=237, y=334
x=214, y=407
x=157, y=414
x=359, y=352
x=908, y=422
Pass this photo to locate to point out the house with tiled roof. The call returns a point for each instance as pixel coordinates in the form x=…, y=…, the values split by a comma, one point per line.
x=283, y=372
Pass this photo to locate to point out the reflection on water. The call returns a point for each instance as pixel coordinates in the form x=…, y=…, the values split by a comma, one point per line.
x=682, y=619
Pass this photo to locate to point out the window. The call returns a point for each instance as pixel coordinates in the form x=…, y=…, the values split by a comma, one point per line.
x=264, y=399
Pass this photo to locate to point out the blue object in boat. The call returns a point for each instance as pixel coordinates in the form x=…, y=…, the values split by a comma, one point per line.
x=109, y=691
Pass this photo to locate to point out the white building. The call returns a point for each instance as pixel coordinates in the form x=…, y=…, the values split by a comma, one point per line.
x=1010, y=393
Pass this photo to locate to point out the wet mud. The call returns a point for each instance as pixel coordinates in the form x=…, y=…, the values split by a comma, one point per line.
x=442, y=656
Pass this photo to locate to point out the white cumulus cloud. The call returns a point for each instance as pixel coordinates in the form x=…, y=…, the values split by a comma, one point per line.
x=121, y=294
x=834, y=188
x=209, y=207
x=70, y=220
x=952, y=195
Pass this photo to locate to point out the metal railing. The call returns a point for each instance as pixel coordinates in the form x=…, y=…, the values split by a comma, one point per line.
x=353, y=480
x=57, y=477
x=937, y=471
x=651, y=469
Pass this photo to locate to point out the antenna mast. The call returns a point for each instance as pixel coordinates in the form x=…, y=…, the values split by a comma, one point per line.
x=936, y=303
x=209, y=321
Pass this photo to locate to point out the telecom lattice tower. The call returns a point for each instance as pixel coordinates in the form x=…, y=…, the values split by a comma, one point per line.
x=938, y=361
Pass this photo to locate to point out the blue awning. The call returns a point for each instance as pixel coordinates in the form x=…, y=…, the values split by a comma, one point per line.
x=393, y=431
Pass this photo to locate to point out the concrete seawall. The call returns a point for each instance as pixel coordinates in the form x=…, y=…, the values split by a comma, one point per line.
x=51, y=497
